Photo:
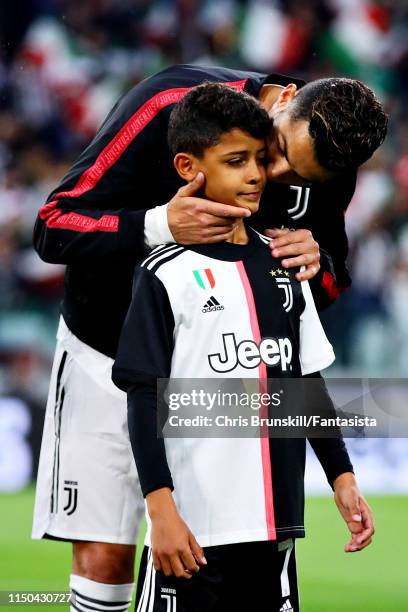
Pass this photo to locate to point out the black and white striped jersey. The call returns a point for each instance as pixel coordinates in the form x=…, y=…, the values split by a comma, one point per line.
x=220, y=312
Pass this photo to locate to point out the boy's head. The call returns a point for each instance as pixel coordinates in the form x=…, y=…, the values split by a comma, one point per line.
x=328, y=126
x=222, y=133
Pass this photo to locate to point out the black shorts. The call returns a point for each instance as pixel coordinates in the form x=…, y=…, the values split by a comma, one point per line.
x=237, y=577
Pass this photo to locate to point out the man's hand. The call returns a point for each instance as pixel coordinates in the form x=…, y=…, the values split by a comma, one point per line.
x=194, y=220
x=175, y=550
x=355, y=511
x=299, y=246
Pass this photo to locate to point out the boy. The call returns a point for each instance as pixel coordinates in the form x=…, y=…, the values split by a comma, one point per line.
x=242, y=499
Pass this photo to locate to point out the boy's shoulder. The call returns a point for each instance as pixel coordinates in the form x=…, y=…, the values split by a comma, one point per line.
x=160, y=256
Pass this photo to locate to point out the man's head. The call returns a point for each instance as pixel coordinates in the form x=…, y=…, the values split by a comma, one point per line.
x=222, y=133
x=327, y=127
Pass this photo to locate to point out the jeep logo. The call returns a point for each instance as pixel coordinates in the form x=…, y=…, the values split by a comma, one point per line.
x=249, y=355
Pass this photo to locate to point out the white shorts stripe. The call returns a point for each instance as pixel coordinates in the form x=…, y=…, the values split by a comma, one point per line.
x=152, y=589
x=285, y=586
x=144, y=600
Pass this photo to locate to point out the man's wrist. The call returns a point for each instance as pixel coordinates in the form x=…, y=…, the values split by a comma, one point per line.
x=157, y=229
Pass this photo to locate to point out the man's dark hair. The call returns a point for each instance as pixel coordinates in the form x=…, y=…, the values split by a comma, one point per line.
x=347, y=122
x=209, y=110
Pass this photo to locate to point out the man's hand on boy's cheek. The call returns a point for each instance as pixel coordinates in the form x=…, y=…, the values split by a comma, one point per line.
x=194, y=220
x=355, y=511
x=175, y=550
x=299, y=247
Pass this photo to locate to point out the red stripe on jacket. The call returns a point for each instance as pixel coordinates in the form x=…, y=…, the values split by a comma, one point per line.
x=55, y=218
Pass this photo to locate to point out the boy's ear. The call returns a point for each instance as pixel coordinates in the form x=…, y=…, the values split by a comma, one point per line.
x=186, y=166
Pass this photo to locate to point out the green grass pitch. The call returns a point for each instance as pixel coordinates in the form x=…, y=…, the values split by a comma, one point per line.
x=375, y=580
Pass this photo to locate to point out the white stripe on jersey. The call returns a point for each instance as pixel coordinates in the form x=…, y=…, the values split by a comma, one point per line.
x=161, y=256
x=158, y=251
x=264, y=239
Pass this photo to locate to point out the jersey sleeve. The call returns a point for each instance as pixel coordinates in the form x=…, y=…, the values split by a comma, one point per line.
x=316, y=352
x=144, y=355
x=146, y=341
x=148, y=448
x=330, y=451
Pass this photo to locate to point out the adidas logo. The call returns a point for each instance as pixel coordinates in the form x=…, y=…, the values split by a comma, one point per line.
x=287, y=607
x=211, y=305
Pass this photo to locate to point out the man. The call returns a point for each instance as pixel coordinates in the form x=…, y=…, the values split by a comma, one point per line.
x=96, y=222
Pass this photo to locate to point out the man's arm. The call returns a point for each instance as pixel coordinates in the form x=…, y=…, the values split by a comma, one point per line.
x=99, y=208
x=322, y=225
x=328, y=221
x=94, y=212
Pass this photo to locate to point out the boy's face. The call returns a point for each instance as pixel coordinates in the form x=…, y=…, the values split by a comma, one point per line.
x=234, y=168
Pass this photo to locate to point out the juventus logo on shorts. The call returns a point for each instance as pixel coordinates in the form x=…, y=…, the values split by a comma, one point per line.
x=71, y=486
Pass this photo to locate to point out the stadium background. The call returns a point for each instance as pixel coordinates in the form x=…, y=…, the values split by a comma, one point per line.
x=63, y=63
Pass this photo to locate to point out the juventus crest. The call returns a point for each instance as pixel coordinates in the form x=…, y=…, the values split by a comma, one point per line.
x=283, y=282
x=302, y=200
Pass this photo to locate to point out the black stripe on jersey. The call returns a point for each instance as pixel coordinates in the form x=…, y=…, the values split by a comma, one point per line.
x=153, y=267
x=54, y=499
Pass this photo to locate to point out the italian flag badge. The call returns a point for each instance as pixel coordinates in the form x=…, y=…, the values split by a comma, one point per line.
x=204, y=278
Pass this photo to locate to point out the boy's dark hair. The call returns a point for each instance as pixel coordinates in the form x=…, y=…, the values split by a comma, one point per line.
x=346, y=121
x=209, y=110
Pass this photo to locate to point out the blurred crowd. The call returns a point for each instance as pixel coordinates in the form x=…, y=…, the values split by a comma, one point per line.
x=63, y=63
